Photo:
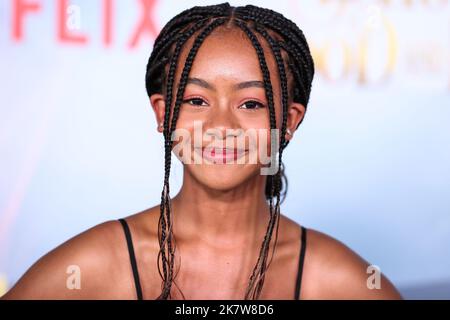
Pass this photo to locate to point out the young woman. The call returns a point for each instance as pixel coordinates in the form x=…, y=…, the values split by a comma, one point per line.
x=226, y=70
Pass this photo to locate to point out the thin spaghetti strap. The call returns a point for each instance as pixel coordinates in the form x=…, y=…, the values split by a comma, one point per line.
x=134, y=267
x=300, y=264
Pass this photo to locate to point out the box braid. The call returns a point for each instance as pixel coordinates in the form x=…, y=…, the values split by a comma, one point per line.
x=285, y=40
x=296, y=45
x=261, y=263
x=165, y=199
x=275, y=48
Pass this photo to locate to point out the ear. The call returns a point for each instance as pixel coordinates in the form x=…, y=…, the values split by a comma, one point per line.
x=159, y=107
x=296, y=112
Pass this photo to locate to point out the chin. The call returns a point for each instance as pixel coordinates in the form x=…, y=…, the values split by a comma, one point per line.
x=222, y=177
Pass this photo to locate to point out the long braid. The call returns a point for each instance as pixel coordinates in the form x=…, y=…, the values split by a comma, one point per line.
x=166, y=52
x=261, y=263
x=169, y=131
x=165, y=214
x=295, y=40
x=284, y=102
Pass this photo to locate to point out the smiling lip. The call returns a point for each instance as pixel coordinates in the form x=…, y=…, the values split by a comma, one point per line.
x=222, y=154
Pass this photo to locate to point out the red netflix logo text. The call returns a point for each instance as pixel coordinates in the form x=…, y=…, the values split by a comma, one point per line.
x=144, y=27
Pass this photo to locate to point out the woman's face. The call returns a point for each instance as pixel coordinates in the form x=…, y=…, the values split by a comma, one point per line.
x=225, y=92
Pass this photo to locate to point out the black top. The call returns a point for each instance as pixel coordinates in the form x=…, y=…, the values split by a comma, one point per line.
x=137, y=281
x=301, y=261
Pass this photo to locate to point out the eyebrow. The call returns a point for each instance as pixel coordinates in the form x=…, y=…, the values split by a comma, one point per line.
x=237, y=86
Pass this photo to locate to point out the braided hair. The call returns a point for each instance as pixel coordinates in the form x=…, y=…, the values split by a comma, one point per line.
x=294, y=62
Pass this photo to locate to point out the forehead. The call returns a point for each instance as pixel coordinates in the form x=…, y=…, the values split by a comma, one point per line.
x=227, y=53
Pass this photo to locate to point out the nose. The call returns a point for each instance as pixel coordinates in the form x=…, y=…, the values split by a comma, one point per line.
x=222, y=123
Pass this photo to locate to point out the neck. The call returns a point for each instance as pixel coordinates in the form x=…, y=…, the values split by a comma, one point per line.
x=221, y=218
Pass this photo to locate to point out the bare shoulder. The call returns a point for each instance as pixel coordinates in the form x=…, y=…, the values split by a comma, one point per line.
x=88, y=266
x=334, y=271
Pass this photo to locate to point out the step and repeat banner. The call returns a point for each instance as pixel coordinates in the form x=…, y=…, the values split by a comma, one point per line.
x=370, y=164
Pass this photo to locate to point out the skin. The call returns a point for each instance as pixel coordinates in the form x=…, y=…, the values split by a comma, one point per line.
x=219, y=231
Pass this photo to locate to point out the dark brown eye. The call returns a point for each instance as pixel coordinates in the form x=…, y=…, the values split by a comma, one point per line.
x=252, y=105
x=194, y=101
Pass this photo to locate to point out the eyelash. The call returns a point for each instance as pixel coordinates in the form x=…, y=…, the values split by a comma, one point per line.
x=260, y=105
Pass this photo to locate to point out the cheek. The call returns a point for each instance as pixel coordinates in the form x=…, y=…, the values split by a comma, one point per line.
x=261, y=125
x=187, y=118
x=277, y=132
x=183, y=137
